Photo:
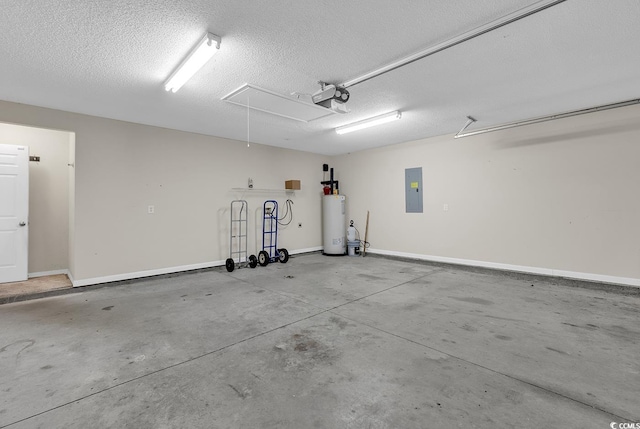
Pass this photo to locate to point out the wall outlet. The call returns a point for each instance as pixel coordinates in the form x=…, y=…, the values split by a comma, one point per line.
x=151, y=209
x=445, y=207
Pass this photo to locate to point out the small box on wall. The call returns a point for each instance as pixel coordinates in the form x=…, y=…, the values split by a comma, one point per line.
x=292, y=184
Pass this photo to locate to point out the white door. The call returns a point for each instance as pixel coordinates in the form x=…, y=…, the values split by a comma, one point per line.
x=14, y=213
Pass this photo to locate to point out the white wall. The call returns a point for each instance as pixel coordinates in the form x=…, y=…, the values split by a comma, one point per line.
x=48, y=194
x=561, y=197
x=121, y=168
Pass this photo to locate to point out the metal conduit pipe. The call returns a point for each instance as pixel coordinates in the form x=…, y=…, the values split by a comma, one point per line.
x=493, y=25
x=544, y=118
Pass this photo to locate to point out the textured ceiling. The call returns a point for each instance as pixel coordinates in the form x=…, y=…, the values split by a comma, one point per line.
x=110, y=59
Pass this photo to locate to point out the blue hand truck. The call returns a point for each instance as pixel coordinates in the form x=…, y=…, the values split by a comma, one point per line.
x=270, y=251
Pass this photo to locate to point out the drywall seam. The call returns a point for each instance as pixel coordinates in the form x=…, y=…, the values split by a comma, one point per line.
x=49, y=273
x=160, y=271
x=517, y=268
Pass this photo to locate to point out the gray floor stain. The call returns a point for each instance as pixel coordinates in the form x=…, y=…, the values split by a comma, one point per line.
x=108, y=308
x=303, y=352
x=370, y=277
x=474, y=300
x=588, y=327
x=503, y=318
x=469, y=328
x=412, y=306
x=556, y=350
x=336, y=320
x=504, y=337
x=244, y=394
x=28, y=343
x=304, y=345
x=625, y=333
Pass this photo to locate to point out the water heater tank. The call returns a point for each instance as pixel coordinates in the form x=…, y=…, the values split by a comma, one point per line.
x=334, y=225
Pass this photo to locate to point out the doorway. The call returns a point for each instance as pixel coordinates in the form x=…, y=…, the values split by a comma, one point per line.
x=51, y=196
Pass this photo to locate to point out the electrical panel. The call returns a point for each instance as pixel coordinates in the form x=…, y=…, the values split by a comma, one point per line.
x=413, y=189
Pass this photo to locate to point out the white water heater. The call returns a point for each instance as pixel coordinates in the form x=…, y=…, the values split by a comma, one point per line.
x=334, y=225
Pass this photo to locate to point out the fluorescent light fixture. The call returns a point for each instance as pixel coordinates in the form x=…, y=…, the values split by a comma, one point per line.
x=371, y=122
x=198, y=57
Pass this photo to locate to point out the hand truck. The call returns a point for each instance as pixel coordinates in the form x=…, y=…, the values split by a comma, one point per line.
x=238, y=231
x=270, y=251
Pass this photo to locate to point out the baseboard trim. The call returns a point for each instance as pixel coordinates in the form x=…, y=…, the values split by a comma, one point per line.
x=627, y=281
x=146, y=273
x=48, y=273
x=307, y=250
x=161, y=271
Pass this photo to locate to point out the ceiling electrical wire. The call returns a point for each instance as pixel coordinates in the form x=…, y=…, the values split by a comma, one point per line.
x=287, y=213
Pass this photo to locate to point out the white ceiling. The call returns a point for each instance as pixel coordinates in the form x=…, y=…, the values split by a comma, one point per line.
x=110, y=59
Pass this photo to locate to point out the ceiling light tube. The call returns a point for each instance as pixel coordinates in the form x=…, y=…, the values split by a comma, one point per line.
x=197, y=58
x=371, y=122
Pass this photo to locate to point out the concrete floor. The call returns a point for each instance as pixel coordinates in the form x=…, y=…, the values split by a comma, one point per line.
x=324, y=342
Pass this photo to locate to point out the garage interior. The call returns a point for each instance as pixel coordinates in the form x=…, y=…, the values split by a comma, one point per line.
x=506, y=295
